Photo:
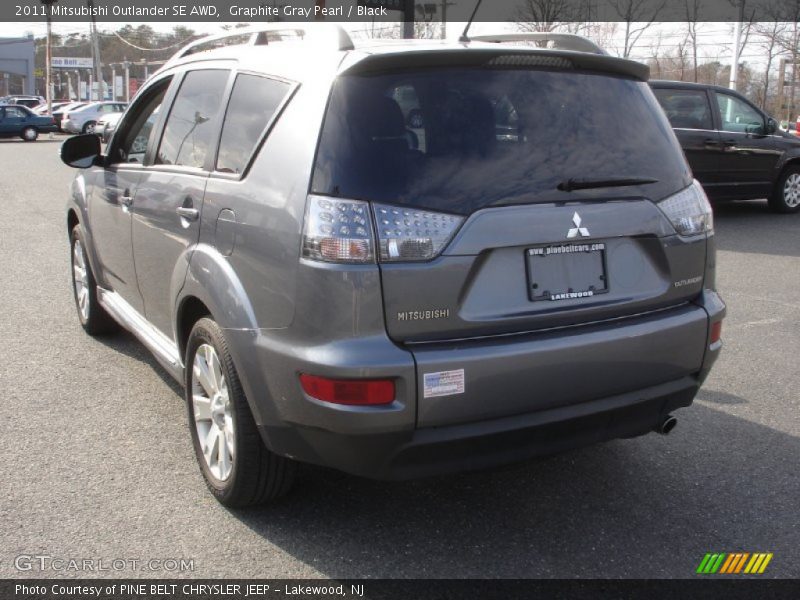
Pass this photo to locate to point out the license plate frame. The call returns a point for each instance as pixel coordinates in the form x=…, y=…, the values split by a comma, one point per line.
x=572, y=271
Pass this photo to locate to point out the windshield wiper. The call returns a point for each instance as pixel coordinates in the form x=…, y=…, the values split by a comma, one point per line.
x=585, y=184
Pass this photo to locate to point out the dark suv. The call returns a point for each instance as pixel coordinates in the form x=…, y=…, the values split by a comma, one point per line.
x=527, y=268
x=735, y=150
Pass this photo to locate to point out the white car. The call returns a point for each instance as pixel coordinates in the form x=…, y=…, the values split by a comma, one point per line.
x=84, y=119
x=106, y=125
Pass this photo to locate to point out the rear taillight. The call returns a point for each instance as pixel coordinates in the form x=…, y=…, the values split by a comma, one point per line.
x=338, y=231
x=716, y=332
x=355, y=392
x=406, y=234
x=689, y=210
x=342, y=231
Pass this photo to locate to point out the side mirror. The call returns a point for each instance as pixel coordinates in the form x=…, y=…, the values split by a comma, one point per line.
x=81, y=151
x=772, y=126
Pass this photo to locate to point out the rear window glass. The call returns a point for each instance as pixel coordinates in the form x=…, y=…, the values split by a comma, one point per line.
x=253, y=104
x=189, y=132
x=458, y=140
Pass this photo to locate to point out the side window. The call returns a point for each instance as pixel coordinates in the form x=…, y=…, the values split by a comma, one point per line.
x=253, y=103
x=685, y=109
x=189, y=131
x=138, y=124
x=738, y=115
x=16, y=113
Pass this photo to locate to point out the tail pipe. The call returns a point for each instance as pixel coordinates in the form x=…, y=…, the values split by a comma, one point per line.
x=667, y=425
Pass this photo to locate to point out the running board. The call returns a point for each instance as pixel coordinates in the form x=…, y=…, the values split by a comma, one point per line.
x=164, y=349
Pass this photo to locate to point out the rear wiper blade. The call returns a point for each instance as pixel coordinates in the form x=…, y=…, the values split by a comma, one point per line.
x=585, y=184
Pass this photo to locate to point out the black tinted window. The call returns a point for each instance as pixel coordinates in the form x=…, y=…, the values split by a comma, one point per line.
x=460, y=139
x=253, y=103
x=686, y=109
x=189, y=131
x=738, y=115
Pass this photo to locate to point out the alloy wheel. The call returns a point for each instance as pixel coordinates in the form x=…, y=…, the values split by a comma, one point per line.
x=213, y=412
x=791, y=190
x=80, y=279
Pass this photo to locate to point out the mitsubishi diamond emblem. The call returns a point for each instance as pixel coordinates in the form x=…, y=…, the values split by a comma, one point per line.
x=573, y=232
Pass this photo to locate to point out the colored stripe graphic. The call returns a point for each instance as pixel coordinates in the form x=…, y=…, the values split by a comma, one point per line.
x=730, y=561
x=725, y=563
x=741, y=562
x=765, y=563
x=703, y=563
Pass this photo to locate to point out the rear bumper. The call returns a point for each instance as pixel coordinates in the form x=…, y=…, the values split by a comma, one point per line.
x=438, y=450
x=525, y=396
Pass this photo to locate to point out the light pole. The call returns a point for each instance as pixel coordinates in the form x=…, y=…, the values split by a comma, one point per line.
x=48, y=7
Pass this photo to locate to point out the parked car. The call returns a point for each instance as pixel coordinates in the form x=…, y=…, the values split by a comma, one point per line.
x=84, y=118
x=27, y=101
x=736, y=151
x=19, y=121
x=106, y=125
x=59, y=115
x=57, y=104
x=328, y=293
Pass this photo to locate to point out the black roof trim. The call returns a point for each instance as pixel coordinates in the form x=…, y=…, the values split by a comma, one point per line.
x=427, y=58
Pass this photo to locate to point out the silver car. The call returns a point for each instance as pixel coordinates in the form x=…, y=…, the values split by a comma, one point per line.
x=84, y=118
x=333, y=287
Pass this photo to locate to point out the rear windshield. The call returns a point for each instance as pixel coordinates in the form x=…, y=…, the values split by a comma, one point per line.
x=457, y=140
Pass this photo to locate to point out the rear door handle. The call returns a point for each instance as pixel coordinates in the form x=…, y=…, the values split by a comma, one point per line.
x=188, y=213
x=711, y=142
x=126, y=199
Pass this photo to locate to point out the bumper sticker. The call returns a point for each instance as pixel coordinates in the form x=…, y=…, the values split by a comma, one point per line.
x=443, y=383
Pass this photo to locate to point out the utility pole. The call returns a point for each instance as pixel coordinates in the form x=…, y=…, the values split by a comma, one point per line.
x=408, y=19
x=737, y=40
x=445, y=4
x=98, y=72
x=48, y=60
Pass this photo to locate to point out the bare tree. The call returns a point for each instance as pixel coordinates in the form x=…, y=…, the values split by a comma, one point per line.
x=553, y=15
x=769, y=34
x=641, y=12
x=692, y=13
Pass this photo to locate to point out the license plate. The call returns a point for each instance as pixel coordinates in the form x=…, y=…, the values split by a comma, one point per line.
x=566, y=272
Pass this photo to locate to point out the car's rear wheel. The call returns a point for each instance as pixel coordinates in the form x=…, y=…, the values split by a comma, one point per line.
x=238, y=468
x=786, y=196
x=29, y=134
x=93, y=317
x=89, y=127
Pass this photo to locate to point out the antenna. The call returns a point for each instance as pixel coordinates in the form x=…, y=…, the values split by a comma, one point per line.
x=464, y=37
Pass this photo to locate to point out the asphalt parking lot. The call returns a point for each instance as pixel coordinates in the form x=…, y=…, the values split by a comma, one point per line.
x=97, y=461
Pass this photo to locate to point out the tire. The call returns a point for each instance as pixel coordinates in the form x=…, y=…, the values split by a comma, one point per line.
x=88, y=127
x=29, y=134
x=238, y=468
x=786, y=196
x=93, y=317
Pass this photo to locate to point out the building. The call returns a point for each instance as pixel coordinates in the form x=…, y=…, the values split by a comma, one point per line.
x=17, y=66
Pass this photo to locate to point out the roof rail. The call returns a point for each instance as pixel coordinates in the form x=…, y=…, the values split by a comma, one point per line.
x=560, y=41
x=268, y=33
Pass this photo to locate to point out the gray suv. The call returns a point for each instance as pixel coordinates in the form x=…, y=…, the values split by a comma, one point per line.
x=529, y=268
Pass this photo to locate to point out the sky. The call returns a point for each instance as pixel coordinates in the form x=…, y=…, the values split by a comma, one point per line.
x=714, y=39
